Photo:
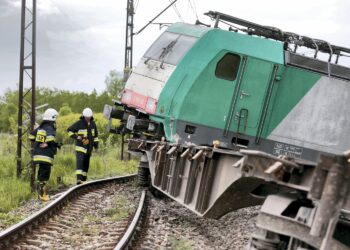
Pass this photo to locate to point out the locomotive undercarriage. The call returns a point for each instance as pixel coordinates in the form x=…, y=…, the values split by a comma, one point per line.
x=132, y=121
x=303, y=206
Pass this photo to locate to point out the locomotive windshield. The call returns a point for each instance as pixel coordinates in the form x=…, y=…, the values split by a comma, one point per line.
x=170, y=47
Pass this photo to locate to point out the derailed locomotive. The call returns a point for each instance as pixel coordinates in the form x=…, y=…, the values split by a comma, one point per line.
x=227, y=119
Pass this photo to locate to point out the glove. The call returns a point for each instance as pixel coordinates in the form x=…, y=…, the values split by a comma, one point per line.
x=85, y=141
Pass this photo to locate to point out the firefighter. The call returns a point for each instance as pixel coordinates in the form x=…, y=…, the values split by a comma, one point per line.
x=85, y=134
x=45, y=148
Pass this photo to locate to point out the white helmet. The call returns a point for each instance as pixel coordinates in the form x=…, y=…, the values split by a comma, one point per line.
x=87, y=112
x=50, y=115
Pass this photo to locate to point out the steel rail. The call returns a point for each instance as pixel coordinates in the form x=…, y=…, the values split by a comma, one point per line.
x=27, y=225
x=130, y=233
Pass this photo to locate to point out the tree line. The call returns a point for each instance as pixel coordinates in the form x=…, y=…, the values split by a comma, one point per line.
x=64, y=101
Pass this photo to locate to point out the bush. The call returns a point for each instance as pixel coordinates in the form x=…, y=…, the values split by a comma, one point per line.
x=65, y=110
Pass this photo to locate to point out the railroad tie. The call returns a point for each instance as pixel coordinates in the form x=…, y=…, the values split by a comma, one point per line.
x=29, y=247
x=79, y=205
x=108, y=244
x=58, y=225
x=34, y=242
x=45, y=237
x=54, y=228
x=66, y=222
x=75, y=211
x=67, y=216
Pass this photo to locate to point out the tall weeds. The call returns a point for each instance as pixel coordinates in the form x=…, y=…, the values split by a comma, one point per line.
x=13, y=191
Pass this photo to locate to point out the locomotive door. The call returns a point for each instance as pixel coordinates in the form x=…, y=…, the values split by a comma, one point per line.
x=249, y=96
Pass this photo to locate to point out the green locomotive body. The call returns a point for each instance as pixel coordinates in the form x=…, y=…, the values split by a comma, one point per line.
x=242, y=91
x=224, y=120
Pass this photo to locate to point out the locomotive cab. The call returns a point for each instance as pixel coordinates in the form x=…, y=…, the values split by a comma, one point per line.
x=139, y=100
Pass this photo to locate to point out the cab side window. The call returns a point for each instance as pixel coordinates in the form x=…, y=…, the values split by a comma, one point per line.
x=228, y=66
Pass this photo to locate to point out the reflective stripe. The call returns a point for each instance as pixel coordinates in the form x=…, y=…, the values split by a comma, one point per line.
x=94, y=132
x=70, y=133
x=43, y=158
x=41, y=132
x=50, y=138
x=31, y=137
x=79, y=171
x=84, y=173
x=80, y=149
x=96, y=139
x=82, y=132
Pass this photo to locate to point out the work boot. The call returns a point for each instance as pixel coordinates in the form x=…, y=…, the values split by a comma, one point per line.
x=42, y=192
x=79, y=182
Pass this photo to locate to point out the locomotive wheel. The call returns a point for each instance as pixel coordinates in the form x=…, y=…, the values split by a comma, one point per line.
x=143, y=174
x=156, y=193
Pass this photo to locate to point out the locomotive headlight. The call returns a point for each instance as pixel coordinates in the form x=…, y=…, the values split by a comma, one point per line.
x=127, y=95
x=151, y=105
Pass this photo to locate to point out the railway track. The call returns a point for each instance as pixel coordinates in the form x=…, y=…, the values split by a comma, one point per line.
x=102, y=214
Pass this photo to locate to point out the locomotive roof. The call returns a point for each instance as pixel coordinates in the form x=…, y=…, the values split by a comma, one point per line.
x=272, y=49
x=188, y=29
x=277, y=34
x=219, y=39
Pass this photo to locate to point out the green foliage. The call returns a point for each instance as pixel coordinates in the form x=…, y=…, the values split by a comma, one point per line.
x=62, y=100
x=77, y=101
x=62, y=123
x=179, y=244
x=13, y=191
x=65, y=110
x=114, y=83
x=66, y=102
x=102, y=164
x=7, y=111
x=9, y=219
x=121, y=208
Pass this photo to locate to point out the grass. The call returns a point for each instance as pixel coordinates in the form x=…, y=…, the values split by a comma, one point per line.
x=121, y=208
x=102, y=164
x=179, y=244
x=15, y=191
x=9, y=220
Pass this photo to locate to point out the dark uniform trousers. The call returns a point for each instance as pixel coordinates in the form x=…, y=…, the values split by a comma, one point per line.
x=83, y=163
x=44, y=172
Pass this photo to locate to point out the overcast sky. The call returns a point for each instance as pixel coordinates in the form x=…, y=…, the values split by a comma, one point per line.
x=80, y=41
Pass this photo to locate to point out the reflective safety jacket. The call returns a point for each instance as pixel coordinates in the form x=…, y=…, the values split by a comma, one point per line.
x=45, y=133
x=83, y=130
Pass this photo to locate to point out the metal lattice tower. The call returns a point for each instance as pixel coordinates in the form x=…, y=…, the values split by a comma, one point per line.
x=129, y=36
x=26, y=93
